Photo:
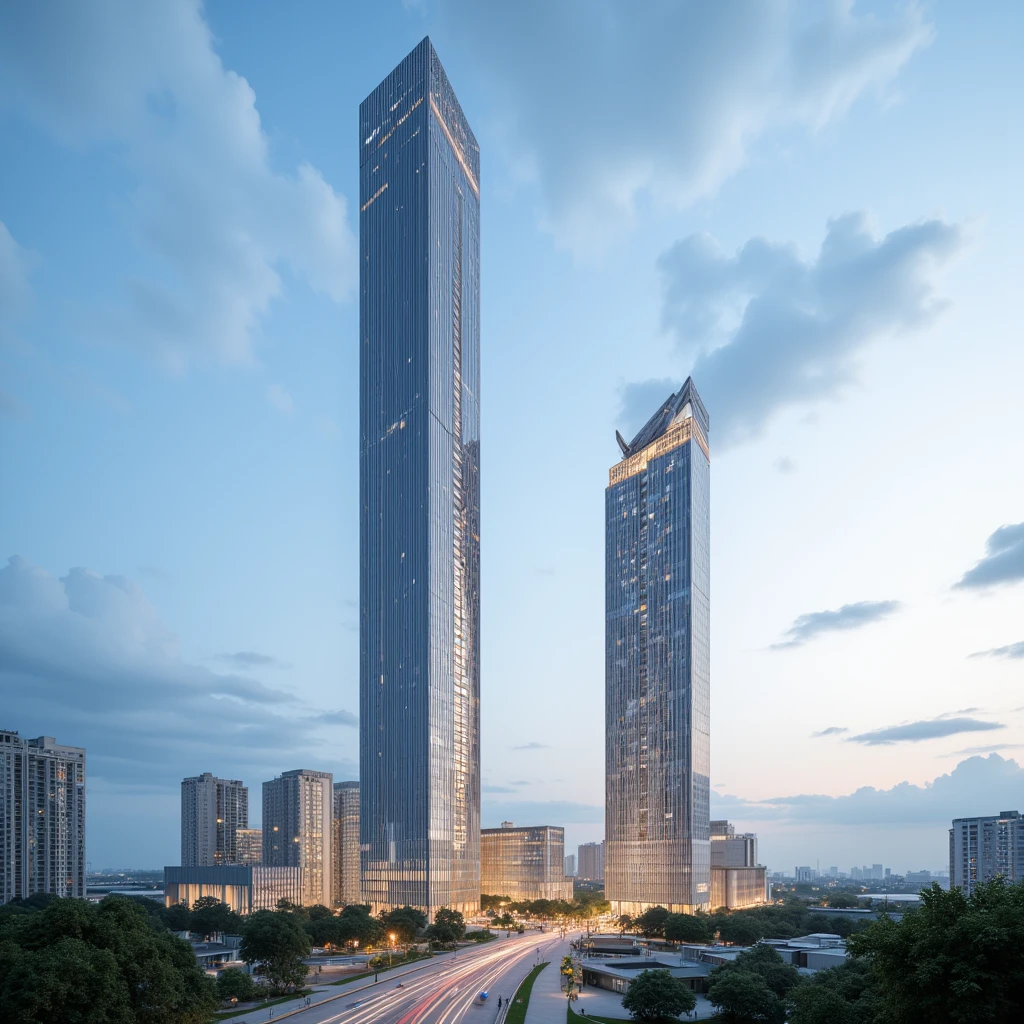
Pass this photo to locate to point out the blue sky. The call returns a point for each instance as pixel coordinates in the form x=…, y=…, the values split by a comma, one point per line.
x=815, y=208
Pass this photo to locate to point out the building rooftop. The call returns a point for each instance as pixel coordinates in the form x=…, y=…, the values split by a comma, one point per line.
x=685, y=402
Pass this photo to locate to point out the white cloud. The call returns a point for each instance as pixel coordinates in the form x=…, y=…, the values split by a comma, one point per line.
x=766, y=329
x=213, y=221
x=279, y=398
x=605, y=108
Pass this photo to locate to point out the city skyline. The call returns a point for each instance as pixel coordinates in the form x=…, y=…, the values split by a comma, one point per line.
x=827, y=249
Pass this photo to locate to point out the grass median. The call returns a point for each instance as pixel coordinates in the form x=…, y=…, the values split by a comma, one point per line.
x=521, y=1000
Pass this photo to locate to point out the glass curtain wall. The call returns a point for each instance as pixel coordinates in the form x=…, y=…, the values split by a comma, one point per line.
x=419, y=492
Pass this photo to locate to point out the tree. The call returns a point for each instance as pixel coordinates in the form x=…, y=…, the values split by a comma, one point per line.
x=405, y=923
x=209, y=915
x=356, y=925
x=739, y=931
x=842, y=900
x=108, y=963
x=656, y=995
x=449, y=926
x=652, y=922
x=957, y=958
x=275, y=942
x=235, y=983
x=177, y=917
x=687, y=928
x=743, y=997
x=625, y=923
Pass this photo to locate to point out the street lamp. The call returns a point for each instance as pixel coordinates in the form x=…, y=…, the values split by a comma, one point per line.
x=391, y=947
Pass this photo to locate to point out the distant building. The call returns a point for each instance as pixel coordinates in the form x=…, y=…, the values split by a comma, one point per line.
x=803, y=874
x=249, y=845
x=737, y=880
x=982, y=848
x=298, y=826
x=42, y=817
x=570, y=865
x=524, y=863
x=212, y=811
x=590, y=862
x=729, y=850
x=657, y=663
x=877, y=871
x=346, y=887
x=245, y=888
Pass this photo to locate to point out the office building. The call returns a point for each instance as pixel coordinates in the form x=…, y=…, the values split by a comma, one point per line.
x=249, y=845
x=657, y=663
x=982, y=848
x=419, y=485
x=42, y=817
x=729, y=850
x=524, y=863
x=570, y=865
x=804, y=873
x=212, y=811
x=298, y=826
x=245, y=888
x=346, y=844
x=590, y=862
x=737, y=880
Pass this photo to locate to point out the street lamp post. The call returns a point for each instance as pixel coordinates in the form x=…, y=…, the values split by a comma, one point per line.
x=391, y=948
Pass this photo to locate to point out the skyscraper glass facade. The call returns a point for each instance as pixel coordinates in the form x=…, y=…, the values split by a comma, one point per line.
x=419, y=463
x=657, y=663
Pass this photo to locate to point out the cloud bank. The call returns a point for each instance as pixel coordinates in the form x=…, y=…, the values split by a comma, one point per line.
x=850, y=616
x=1003, y=561
x=87, y=659
x=928, y=729
x=765, y=329
x=832, y=730
x=605, y=110
x=979, y=785
x=212, y=220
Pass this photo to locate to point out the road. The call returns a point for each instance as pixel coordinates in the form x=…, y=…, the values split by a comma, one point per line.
x=443, y=992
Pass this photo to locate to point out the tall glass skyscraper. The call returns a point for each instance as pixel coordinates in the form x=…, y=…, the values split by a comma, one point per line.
x=657, y=663
x=419, y=469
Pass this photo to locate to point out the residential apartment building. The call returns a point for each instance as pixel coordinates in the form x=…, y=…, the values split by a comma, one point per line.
x=42, y=817
x=982, y=848
x=570, y=865
x=212, y=811
x=298, y=829
x=346, y=844
x=524, y=863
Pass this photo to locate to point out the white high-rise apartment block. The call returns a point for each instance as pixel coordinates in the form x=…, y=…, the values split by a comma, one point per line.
x=982, y=848
x=42, y=817
x=298, y=827
x=570, y=865
x=212, y=812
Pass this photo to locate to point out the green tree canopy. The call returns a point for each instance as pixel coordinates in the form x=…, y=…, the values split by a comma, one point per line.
x=842, y=900
x=275, y=943
x=448, y=927
x=956, y=959
x=743, y=997
x=107, y=963
x=656, y=996
x=357, y=925
x=209, y=915
x=652, y=922
x=405, y=923
x=234, y=983
x=688, y=928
